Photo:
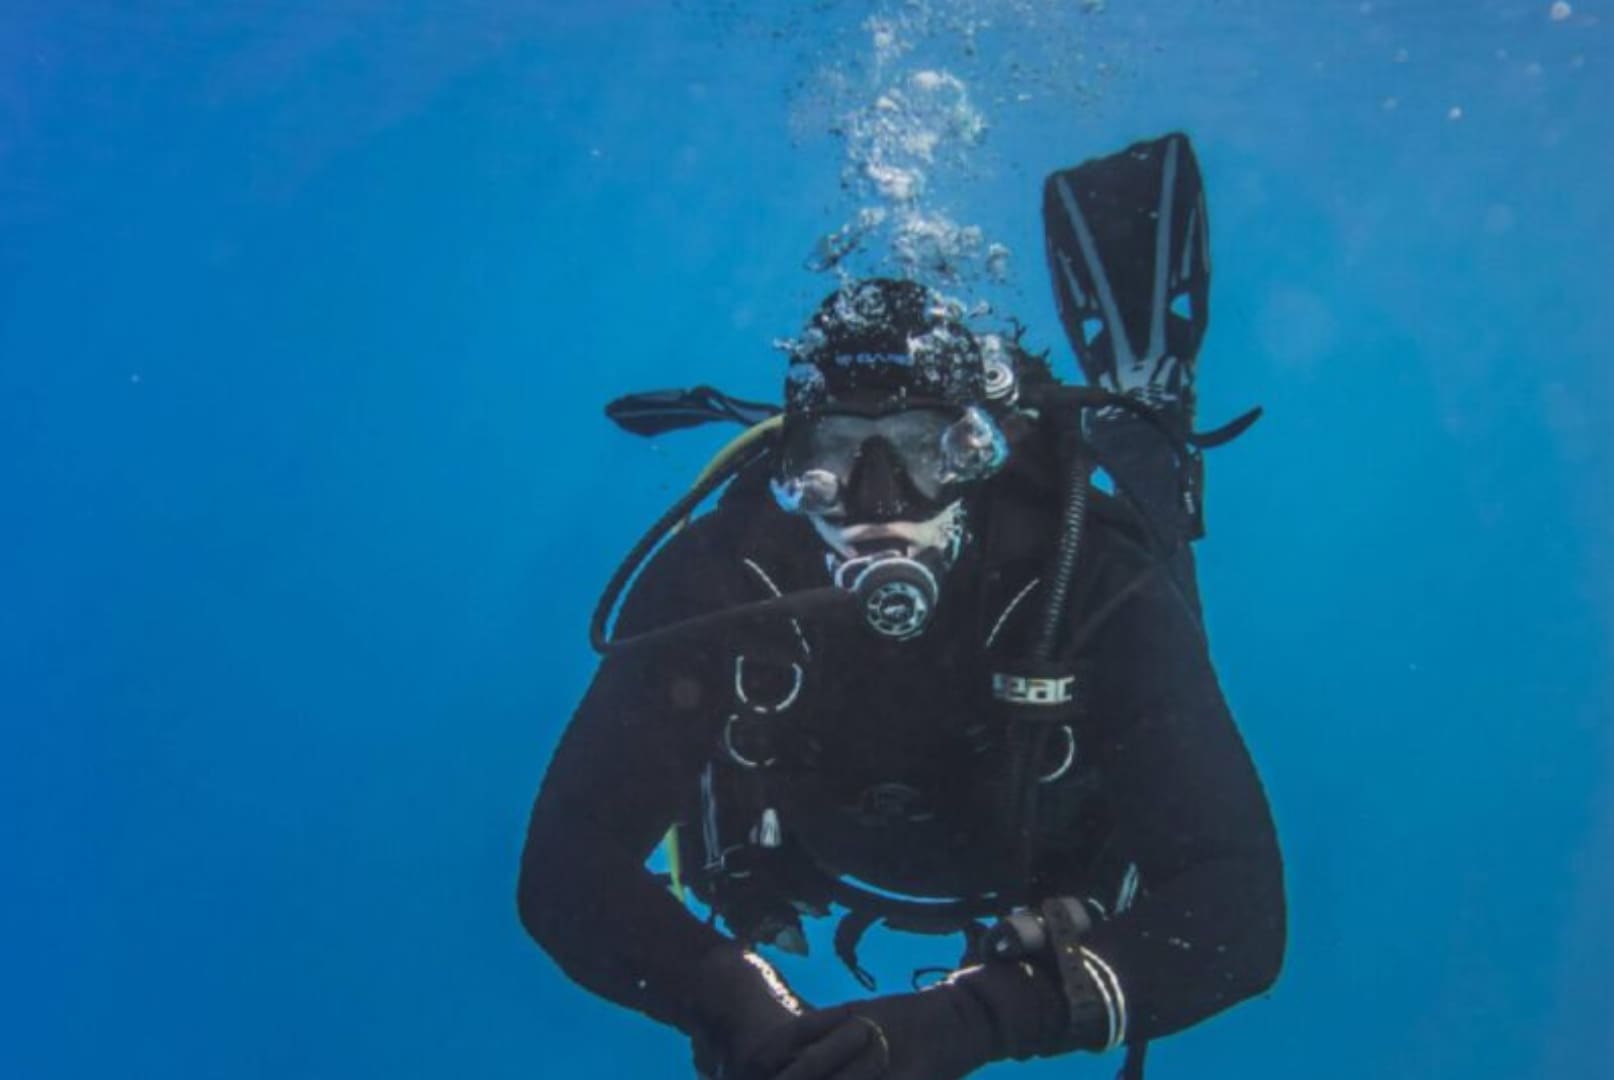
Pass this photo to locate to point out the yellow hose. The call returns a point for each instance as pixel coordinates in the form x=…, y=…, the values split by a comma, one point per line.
x=675, y=864
x=741, y=443
x=720, y=460
x=736, y=446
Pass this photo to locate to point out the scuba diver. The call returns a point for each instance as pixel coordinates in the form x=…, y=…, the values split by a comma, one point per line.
x=919, y=667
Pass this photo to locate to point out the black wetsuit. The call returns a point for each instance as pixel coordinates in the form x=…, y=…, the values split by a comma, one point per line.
x=882, y=767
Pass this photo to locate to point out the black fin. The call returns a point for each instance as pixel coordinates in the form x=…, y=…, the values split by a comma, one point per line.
x=654, y=412
x=1128, y=242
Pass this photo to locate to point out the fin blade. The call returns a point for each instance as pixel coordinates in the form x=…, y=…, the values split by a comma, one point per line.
x=656, y=412
x=1127, y=242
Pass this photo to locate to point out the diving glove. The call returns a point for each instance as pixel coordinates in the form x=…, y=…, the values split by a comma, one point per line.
x=744, y=1016
x=977, y=1016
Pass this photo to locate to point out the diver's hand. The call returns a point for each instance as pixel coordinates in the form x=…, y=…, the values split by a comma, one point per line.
x=746, y=1014
x=815, y=1044
x=939, y=1034
x=980, y=1014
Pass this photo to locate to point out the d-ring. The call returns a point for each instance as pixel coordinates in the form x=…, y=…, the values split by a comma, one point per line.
x=797, y=674
x=1069, y=759
x=737, y=757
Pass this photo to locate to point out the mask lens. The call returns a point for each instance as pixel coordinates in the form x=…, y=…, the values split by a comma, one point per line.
x=816, y=491
x=972, y=447
x=934, y=447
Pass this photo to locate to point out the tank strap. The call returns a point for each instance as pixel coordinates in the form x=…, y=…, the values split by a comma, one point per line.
x=848, y=935
x=856, y=922
x=1132, y=1067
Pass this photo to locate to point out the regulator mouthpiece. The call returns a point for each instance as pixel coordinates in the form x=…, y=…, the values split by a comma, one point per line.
x=898, y=593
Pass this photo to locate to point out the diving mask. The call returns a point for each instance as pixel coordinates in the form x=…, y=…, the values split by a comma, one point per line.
x=905, y=465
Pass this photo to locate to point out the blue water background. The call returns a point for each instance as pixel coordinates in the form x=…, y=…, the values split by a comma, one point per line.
x=306, y=316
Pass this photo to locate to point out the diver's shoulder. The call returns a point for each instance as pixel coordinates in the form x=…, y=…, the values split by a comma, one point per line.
x=687, y=575
x=701, y=543
x=1116, y=519
x=743, y=524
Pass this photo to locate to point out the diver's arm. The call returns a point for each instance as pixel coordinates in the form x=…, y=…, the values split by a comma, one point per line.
x=1206, y=927
x=625, y=768
x=612, y=789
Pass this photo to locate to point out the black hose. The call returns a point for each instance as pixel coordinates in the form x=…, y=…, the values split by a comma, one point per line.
x=809, y=603
x=1064, y=567
x=597, y=627
x=1027, y=738
x=827, y=600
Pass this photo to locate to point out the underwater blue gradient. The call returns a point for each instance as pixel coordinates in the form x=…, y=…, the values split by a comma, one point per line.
x=306, y=316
